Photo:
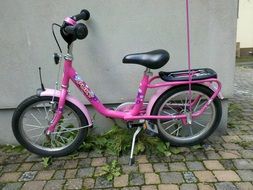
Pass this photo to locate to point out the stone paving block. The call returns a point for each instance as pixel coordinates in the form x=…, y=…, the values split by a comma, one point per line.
x=141, y=159
x=248, y=138
x=244, y=186
x=85, y=172
x=70, y=173
x=98, y=161
x=189, y=177
x=123, y=160
x=149, y=187
x=154, y=159
x=57, y=165
x=226, y=175
x=195, y=166
x=243, y=164
x=37, y=166
x=246, y=175
x=213, y=155
x=188, y=187
x=59, y=174
x=205, y=176
x=19, y=158
x=70, y=164
x=177, y=158
x=144, y=168
x=98, y=171
x=213, y=165
x=102, y=182
x=25, y=167
x=231, y=146
x=94, y=154
x=247, y=153
x=228, y=164
x=225, y=186
x=160, y=167
x=167, y=187
x=33, y=158
x=129, y=169
x=84, y=163
x=205, y=186
x=171, y=177
x=33, y=185
x=136, y=179
x=74, y=184
x=10, y=167
x=88, y=183
x=10, y=177
x=131, y=188
x=177, y=166
x=199, y=154
x=45, y=175
x=152, y=178
x=121, y=181
x=28, y=176
x=230, y=154
x=231, y=138
x=13, y=186
x=54, y=185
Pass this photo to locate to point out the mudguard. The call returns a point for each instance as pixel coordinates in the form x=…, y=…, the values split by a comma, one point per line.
x=72, y=99
x=160, y=91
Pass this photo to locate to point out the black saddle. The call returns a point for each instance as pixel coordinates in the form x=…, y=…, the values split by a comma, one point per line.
x=152, y=60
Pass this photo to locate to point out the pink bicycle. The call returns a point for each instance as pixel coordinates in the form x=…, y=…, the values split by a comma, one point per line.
x=184, y=110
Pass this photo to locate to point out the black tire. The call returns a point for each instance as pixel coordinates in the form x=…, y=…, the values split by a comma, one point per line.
x=23, y=139
x=183, y=141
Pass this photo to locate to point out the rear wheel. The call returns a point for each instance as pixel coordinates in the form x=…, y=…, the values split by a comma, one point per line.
x=31, y=119
x=175, y=101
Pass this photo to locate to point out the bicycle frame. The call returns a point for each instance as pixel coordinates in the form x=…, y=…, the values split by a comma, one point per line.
x=134, y=113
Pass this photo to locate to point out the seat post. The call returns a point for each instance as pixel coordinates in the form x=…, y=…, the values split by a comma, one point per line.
x=148, y=72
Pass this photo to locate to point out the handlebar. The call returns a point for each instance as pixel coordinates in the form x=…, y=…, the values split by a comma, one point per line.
x=83, y=15
x=70, y=30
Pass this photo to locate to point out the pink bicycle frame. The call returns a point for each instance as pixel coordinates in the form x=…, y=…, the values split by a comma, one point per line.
x=134, y=113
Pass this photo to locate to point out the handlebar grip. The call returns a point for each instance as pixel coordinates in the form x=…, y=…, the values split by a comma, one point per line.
x=84, y=14
x=80, y=31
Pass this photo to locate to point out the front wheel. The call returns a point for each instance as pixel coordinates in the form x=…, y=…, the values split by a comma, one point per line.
x=31, y=119
x=175, y=101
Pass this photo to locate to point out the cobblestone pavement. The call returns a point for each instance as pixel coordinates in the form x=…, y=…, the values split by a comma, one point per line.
x=223, y=163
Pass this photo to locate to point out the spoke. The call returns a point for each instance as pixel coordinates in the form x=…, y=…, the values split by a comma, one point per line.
x=176, y=130
x=171, y=108
x=38, y=137
x=164, y=123
x=185, y=104
x=170, y=126
x=45, y=109
x=190, y=127
x=35, y=126
x=197, y=105
x=199, y=124
x=36, y=119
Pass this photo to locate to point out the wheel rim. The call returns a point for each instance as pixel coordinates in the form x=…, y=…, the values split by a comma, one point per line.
x=179, y=104
x=35, y=120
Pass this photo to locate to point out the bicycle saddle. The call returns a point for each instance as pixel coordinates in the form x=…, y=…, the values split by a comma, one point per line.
x=152, y=60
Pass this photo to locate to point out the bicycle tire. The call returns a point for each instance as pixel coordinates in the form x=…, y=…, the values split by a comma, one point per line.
x=23, y=139
x=183, y=141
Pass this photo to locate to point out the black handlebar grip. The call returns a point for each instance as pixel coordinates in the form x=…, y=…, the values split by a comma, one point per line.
x=79, y=31
x=84, y=14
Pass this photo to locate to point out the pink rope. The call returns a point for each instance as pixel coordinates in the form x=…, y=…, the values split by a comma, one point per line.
x=189, y=51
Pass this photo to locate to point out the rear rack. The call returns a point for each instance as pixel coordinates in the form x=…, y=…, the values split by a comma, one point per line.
x=197, y=74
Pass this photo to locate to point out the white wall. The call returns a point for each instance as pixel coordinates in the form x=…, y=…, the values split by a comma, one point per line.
x=116, y=28
x=245, y=24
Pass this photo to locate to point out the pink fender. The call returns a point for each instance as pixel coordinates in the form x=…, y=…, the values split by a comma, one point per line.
x=72, y=99
x=160, y=91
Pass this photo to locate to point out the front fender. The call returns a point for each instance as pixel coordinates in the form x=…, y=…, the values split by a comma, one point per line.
x=72, y=99
x=160, y=91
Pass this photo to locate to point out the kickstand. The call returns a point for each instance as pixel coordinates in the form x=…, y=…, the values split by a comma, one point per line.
x=131, y=160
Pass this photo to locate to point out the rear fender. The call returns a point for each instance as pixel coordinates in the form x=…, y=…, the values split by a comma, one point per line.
x=160, y=91
x=72, y=99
